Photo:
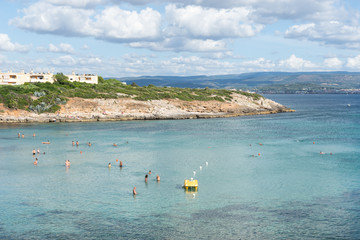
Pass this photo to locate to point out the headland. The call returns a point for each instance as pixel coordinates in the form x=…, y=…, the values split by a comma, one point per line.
x=122, y=109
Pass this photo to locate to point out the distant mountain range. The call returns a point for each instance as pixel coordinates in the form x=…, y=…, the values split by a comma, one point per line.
x=262, y=82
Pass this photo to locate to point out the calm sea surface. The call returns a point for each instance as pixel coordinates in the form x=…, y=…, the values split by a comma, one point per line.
x=265, y=177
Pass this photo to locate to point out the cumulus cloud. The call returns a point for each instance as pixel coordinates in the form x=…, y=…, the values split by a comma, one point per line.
x=65, y=60
x=199, y=22
x=295, y=63
x=333, y=33
x=62, y=48
x=112, y=24
x=116, y=24
x=353, y=63
x=7, y=45
x=259, y=64
x=333, y=63
x=78, y=3
x=183, y=44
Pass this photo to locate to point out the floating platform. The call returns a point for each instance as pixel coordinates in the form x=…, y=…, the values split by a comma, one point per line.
x=191, y=184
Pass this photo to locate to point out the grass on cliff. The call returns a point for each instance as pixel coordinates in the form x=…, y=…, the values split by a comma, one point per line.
x=46, y=97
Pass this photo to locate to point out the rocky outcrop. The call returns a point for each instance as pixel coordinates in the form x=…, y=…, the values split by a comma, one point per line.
x=82, y=110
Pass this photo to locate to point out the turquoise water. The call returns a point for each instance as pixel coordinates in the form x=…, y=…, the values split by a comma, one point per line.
x=290, y=191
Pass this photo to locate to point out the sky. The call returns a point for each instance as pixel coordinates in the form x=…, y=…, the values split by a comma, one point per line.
x=122, y=38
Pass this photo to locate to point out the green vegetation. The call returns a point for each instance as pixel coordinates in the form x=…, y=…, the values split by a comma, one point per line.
x=46, y=97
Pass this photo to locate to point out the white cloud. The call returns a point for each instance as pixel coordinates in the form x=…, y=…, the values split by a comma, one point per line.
x=333, y=63
x=332, y=33
x=7, y=45
x=183, y=44
x=353, y=63
x=295, y=63
x=65, y=60
x=112, y=24
x=259, y=64
x=78, y=3
x=199, y=22
x=116, y=24
x=2, y=59
x=62, y=48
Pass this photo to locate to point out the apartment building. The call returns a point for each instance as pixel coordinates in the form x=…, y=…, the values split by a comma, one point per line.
x=10, y=78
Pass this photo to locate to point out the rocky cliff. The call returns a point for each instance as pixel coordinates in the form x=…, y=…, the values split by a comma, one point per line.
x=80, y=109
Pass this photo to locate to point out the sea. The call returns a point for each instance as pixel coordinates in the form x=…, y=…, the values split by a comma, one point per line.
x=279, y=176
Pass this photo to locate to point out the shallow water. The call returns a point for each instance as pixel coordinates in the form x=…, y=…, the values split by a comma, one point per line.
x=289, y=191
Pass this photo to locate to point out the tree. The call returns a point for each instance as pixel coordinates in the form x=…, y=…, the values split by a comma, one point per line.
x=101, y=79
x=62, y=79
x=134, y=84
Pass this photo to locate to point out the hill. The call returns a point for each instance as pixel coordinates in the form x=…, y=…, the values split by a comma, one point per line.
x=66, y=101
x=262, y=82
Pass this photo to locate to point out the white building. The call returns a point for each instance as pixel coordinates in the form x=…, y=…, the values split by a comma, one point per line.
x=11, y=78
x=88, y=78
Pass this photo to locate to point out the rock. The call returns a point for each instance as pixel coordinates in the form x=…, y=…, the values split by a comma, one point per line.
x=80, y=109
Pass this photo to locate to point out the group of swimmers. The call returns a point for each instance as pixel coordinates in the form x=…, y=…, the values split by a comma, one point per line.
x=146, y=181
x=34, y=153
x=67, y=162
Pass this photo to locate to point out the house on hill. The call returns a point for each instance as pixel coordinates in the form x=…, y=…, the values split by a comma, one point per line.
x=10, y=78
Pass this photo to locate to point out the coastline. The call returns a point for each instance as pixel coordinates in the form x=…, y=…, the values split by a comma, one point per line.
x=127, y=109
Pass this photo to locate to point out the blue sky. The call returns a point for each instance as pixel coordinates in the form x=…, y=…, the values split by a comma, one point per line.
x=118, y=38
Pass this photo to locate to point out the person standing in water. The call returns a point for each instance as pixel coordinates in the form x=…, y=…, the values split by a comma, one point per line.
x=134, y=191
x=146, y=178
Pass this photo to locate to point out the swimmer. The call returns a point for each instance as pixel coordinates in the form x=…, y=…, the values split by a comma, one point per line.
x=77, y=143
x=157, y=178
x=114, y=144
x=146, y=178
x=89, y=144
x=23, y=136
x=38, y=151
x=36, y=161
x=34, y=135
x=73, y=143
x=33, y=152
x=18, y=135
x=322, y=153
x=149, y=172
x=121, y=164
x=67, y=163
x=134, y=191
x=109, y=165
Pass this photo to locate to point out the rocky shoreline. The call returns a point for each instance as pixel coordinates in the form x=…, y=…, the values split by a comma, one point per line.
x=126, y=109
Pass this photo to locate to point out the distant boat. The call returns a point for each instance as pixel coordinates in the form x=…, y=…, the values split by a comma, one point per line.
x=349, y=105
